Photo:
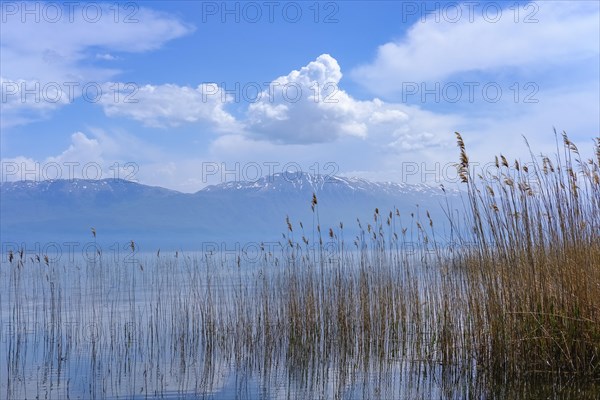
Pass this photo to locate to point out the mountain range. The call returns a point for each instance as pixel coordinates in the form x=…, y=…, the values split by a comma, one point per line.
x=37, y=212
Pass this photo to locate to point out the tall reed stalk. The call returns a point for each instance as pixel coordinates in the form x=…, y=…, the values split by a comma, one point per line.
x=518, y=296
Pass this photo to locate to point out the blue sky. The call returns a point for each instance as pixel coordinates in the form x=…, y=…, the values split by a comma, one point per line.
x=374, y=88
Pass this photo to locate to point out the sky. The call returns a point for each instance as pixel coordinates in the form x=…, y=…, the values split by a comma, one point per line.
x=183, y=94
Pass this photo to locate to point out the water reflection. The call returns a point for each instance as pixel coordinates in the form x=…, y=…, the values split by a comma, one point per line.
x=193, y=326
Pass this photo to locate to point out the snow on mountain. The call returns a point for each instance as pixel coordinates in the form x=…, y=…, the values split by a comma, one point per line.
x=231, y=211
x=299, y=181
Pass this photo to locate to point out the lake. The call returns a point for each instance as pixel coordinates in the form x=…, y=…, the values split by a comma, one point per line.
x=286, y=324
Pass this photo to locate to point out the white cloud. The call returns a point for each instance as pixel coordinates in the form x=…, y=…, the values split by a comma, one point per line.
x=22, y=100
x=71, y=163
x=95, y=155
x=566, y=32
x=105, y=57
x=560, y=53
x=19, y=168
x=63, y=52
x=170, y=105
x=81, y=148
x=308, y=106
x=63, y=47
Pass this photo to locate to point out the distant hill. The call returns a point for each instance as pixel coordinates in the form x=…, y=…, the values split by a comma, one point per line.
x=120, y=210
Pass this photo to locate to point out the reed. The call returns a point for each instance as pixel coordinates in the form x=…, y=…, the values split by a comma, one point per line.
x=533, y=270
x=514, y=292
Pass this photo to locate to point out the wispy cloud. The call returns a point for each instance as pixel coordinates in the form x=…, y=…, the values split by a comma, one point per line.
x=65, y=52
x=559, y=33
x=170, y=105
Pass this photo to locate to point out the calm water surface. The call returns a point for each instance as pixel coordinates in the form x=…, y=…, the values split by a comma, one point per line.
x=129, y=329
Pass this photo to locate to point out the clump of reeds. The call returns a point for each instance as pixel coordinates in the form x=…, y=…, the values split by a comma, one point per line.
x=532, y=290
x=520, y=295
